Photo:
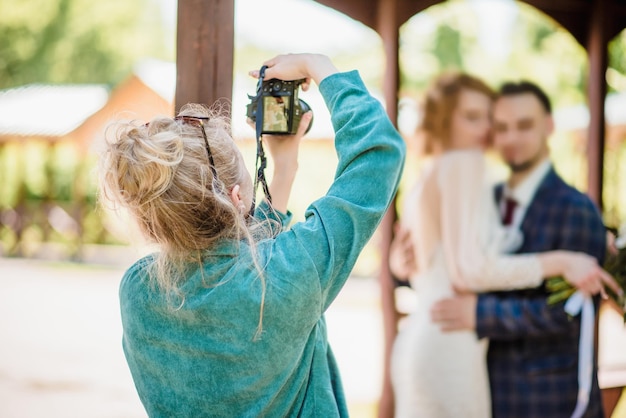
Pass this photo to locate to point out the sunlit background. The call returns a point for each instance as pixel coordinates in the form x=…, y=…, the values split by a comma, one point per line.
x=68, y=66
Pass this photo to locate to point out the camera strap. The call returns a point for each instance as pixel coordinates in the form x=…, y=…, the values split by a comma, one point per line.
x=261, y=160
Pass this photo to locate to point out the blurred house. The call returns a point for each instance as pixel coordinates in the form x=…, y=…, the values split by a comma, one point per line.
x=46, y=134
x=79, y=113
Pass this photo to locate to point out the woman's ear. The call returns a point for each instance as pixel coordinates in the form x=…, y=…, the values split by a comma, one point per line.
x=235, y=197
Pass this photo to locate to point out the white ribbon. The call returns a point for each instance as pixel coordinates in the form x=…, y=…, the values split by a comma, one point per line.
x=575, y=304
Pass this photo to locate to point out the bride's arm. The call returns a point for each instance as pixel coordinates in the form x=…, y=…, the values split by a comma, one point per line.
x=510, y=316
x=476, y=266
x=472, y=264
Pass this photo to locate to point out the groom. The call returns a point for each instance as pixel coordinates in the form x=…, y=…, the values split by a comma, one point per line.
x=534, y=347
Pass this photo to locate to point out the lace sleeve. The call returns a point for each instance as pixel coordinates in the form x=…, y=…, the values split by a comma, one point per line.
x=472, y=263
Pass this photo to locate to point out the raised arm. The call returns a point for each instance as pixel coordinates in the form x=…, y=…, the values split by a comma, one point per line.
x=321, y=251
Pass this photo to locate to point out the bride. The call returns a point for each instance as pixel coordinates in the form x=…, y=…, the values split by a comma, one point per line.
x=459, y=244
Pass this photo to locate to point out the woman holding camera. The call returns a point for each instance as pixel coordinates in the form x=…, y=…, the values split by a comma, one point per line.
x=227, y=319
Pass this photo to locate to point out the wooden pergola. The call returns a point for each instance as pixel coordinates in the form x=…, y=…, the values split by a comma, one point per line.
x=205, y=49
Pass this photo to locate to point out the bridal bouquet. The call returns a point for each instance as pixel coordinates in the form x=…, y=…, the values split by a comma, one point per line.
x=615, y=265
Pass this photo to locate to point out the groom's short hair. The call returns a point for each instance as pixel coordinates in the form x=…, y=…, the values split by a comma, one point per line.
x=522, y=87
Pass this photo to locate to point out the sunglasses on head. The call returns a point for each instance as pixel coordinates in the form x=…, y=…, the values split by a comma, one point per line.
x=200, y=121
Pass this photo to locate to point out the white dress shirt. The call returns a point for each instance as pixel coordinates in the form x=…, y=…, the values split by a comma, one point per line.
x=524, y=192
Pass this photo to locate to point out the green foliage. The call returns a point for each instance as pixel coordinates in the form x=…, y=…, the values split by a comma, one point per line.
x=434, y=41
x=37, y=177
x=617, y=53
x=10, y=174
x=614, y=198
x=76, y=41
x=448, y=37
x=448, y=47
x=616, y=74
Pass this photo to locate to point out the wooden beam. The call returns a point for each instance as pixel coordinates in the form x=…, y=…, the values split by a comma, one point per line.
x=387, y=26
x=567, y=6
x=617, y=23
x=571, y=14
x=367, y=11
x=598, y=58
x=204, y=51
x=362, y=10
x=409, y=8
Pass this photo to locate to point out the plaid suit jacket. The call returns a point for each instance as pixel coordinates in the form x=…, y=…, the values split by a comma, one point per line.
x=533, y=349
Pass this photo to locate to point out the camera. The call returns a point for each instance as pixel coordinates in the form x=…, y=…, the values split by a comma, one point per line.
x=280, y=109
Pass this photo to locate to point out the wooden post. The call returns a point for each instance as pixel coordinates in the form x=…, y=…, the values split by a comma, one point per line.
x=388, y=30
x=597, y=46
x=387, y=27
x=204, y=51
x=21, y=208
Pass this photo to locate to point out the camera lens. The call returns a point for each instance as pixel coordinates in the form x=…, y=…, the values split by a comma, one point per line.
x=277, y=86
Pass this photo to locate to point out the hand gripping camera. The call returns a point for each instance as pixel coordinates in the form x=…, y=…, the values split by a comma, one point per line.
x=276, y=110
x=278, y=106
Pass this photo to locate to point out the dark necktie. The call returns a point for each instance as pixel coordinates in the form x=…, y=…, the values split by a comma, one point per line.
x=509, y=210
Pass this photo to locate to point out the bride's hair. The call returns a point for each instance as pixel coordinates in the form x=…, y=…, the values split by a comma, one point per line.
x=439, y=103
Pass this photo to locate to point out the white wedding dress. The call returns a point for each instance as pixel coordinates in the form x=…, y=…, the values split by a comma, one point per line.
x=458, y=240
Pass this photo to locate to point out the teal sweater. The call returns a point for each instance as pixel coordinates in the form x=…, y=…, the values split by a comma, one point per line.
x=202, y=360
